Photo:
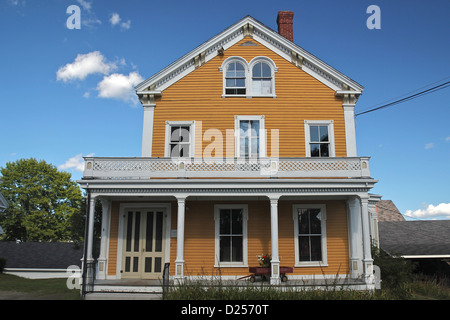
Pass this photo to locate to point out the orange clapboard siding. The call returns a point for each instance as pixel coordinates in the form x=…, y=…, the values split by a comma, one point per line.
x=299, y=97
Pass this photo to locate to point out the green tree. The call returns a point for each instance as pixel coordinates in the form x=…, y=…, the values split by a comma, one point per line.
x=41, y=201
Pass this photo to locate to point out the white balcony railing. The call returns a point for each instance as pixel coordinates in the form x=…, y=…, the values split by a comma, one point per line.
x=144, y=168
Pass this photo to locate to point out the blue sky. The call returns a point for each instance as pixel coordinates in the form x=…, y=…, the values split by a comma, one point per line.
x=57, y=110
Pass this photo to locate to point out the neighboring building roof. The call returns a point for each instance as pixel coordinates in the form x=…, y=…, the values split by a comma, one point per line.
x=387, y=211
x=45, y=255
x=415, y=239
x=264, y=35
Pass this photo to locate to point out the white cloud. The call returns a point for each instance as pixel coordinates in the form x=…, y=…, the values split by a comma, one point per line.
x=76, y=162
x=84, y=65
x=116, y=20
x=119, y=86
x=85, y=4
x=442, y=210
x=429, y=145
x=447, y=139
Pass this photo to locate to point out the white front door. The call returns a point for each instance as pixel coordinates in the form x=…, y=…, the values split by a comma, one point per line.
x=144, y=243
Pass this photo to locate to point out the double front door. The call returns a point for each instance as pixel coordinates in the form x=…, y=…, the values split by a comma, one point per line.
x=143, y=248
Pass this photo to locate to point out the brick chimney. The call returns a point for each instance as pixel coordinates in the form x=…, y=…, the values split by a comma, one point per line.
x=285, y=24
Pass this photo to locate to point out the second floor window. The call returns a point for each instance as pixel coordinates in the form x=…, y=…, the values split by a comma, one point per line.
x=250, y=136
x=319, y=138
x=179, y=139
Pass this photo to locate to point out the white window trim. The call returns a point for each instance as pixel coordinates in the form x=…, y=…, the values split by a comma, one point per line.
x=330, y=124
x=324, y=262
x=273, y=69
x=191, y=124
x=262, y=135
x=244, y=262
x=248, y=76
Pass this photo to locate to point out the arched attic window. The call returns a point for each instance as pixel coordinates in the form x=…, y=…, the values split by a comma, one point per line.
x=263, y=76
x=235, y=78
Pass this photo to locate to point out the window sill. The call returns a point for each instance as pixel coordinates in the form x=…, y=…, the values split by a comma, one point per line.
x=273, y=96
x=310, y=264
x=231, y=265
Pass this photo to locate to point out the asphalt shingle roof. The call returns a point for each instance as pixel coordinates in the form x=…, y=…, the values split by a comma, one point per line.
x=47, y=255
x=415, y=237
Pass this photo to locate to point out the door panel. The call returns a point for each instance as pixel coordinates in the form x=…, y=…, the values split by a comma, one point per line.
x=144, y=245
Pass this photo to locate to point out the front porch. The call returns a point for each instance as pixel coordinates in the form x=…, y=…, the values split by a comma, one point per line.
x=189, y=236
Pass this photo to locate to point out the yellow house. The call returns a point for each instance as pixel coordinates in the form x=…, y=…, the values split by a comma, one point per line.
x=248, y=148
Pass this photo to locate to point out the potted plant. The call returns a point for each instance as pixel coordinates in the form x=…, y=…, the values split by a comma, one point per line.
x=264, y=260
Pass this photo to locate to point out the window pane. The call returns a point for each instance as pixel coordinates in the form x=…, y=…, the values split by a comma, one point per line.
x=174, y=150
x=315, y=150
x=323, y=133
x=129, y=231
x=315, y=221
x=225, y=248
x=303, y=243
x=148, y=264
x=303, y=221
x=135, y=264
x=257, y=70
x=158, y=232
x=255, y=127
x=316, y=248
x=149, y=233
x=240, y=83
x=137, y=227
x=231, y=82
x=127, y=264
x=225, y=221
x=243, y=128
x=175, y=134
x=266, y=70
x=314, y=133
x=231, y=70
x=255, y=147
x=266, y=86
x=184, y=150
x=257, y=87
x=236, y=248
x=239, y=67
x=158, y=264
x=236, y=223
x=324, y=150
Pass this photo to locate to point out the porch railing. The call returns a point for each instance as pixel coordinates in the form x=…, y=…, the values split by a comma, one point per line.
x=145, y=168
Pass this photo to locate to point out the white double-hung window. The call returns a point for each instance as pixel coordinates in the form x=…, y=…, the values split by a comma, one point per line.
x=310, y=235
x=319, y=138
x=231, y=235
x=250, y=136
x=179, y=139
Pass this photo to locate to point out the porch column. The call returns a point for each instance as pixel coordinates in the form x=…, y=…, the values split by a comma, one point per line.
x=275, y=262
x=368, y=261
x=90, y=235
x=179, y=262
x=355, y=237
x=102, y=260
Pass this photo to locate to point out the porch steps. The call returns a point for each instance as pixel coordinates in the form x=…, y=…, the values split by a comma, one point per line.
x=126, y=290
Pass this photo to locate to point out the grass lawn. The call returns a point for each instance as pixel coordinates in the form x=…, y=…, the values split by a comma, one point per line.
x=17, y=288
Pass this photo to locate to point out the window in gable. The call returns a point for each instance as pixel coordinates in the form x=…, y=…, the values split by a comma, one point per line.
x=261, y=79
x=235, y=83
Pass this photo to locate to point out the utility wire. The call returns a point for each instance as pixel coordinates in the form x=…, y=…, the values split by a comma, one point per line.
x=414, y=96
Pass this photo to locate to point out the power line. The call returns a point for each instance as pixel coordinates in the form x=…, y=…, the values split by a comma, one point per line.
x=411, y=97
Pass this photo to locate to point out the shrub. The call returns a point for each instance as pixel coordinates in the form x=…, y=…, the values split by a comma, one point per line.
x=396, y=272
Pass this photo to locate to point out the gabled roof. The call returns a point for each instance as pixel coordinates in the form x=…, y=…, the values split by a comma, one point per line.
x=387, y=211
x=264, y=35
x=416, y=239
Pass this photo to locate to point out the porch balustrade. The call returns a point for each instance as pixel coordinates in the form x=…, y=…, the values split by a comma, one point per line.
x=145, y=168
